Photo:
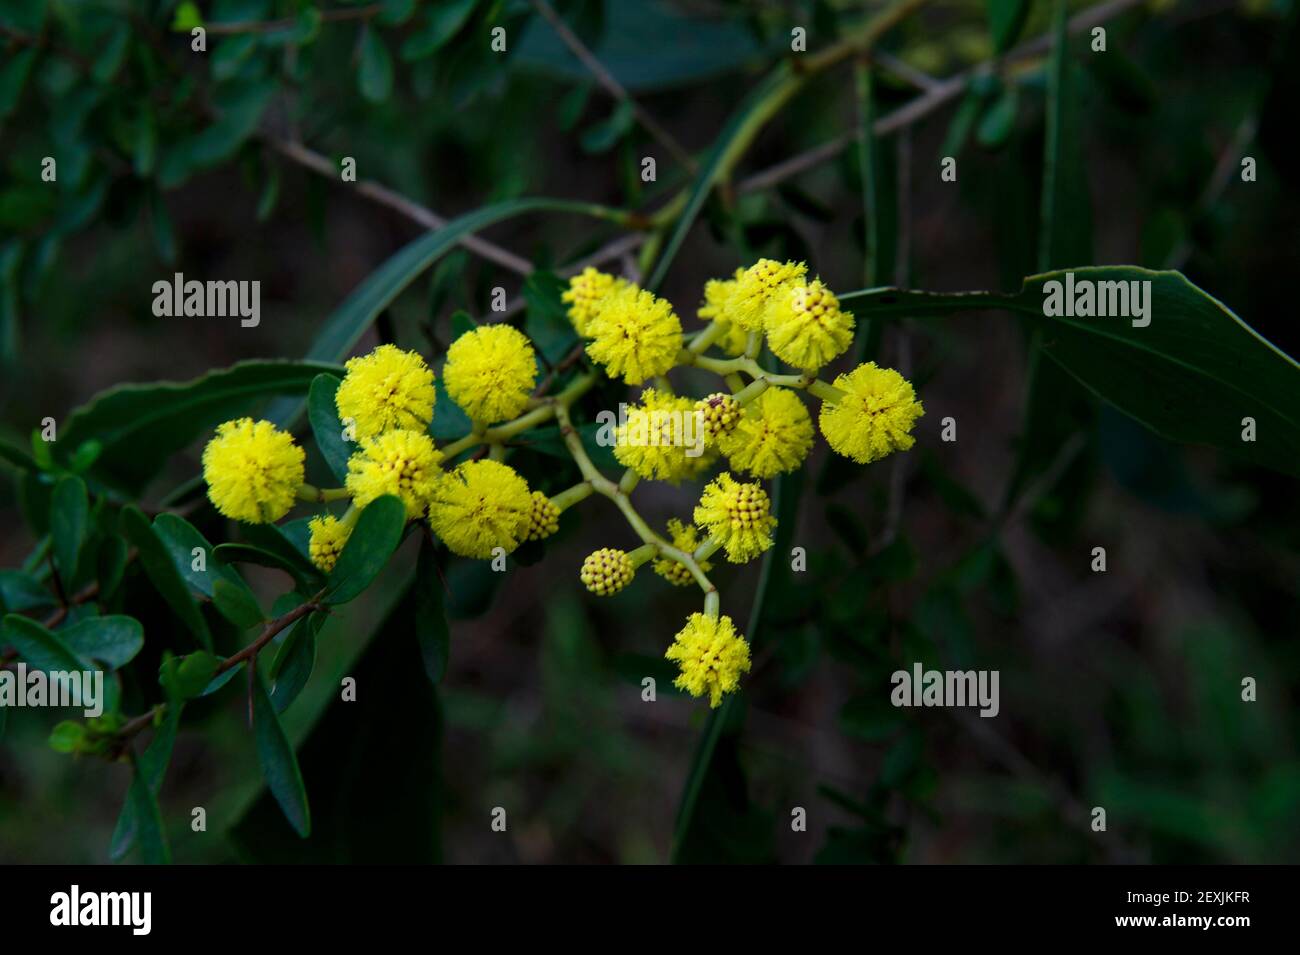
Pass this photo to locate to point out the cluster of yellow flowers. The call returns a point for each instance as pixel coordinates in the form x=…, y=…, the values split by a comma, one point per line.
x=255, y=472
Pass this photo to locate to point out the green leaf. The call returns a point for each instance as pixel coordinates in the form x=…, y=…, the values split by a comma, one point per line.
x=1006, y=20
x=248, y=554
x=13, y=77
x=294, y=661
x=547, y=323
x=113, y=640
x=148, y=820
x=758, y=107
x=604, y=135
x=42, y=649
x=67, y=736
x=371, y=543
x=20, y=591
x=163, y=574
x=1191, y=375
x=141, y=426
x=69, y=518
x=111, y=560
x=999, y=119
x=344, y=328
x=323, y=414
x=14, y=455
x=1066, y=235
x=182, y=539
x=440, y=24
x=187, y=677
x=279, y=764
x=375, y=76
x=152, y=766
x=431, y=629
x=237, y=604
x=187, y=17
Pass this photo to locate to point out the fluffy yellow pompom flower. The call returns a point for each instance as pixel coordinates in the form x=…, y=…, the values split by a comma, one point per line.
x=253, y=471
x=874, y=417
x=480, y=506
x=774, y=435
x=686, y=537
x=389, y=388
x=543, y=519
x=635, y=335
x=607, y=571
x=402, y=463
x=806, y=327
x=758, y=288
x=490, y=373
x=328, y=535
x=710, y=655
x=586, y=294
x=719, y=294
x=737, y=515
x=663, y=438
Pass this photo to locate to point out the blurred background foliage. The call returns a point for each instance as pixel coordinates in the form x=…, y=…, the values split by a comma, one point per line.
x=1119, y=690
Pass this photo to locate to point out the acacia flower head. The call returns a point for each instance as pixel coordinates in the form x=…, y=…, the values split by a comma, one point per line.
x=635, y=335
x=490, y=373
x=710, y=655
x=480, y=506
x=774, y=435
x=543, y=518
x=875, y=415
x=388, y=388
x=586, y=293
x=685, y=537
x=253, y=471
x=759, y=287
x=607, y=571
x=721, y=414
x=807, y=328
x=402, y=463
x=739, y=516
x=328, y=535
x=662, y=439
x=719, y=294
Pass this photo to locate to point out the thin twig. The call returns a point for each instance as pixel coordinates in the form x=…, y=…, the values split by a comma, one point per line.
x=612, y=85
x=274, y=26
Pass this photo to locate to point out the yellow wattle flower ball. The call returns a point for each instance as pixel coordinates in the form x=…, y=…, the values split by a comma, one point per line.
x=737, y=515
x=635, y=335
x=806, y=327
x=710, y=655
x=685, y=537
x=607, y=571
x=480, y=506
x=386, y=389
x=253, y=471
x=402, y=463
x=774, y=435
x=328, y=535
x=490, y=373
x=586, y=294
x=653, y=441
x=718, y=297
x=874, y=417
x=721, y=414
x=758, y=287
x=543, y=519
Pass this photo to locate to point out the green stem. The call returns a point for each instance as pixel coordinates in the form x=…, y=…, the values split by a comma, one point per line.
x=316, y=495
x=571, y=496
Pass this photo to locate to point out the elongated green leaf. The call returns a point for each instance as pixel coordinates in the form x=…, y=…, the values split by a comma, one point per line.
x=148, y=821
x=193, y=555
x=248, y=554
x=758, y=107
x=152, y=767
x=293, y=663
x=237, y=604
x=69, y=518
x=189, y=676
x=113, y=640
x=323, y=414
x=1066, y=232
x=20, y=591
x=1006, y=20
x=287, y=541
x=441, y=21
x=431, y=629
x=375, y=74
x=140, y=426
x=279, y=764
x=15, y=456
x=162, y=573
x=42, y=649
x=371, y=543
x=1192, y=374
x=344, y=328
